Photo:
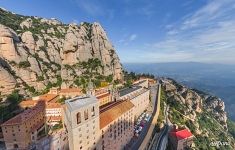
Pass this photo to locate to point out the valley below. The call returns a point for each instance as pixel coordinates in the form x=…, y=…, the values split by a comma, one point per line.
x=215, y=79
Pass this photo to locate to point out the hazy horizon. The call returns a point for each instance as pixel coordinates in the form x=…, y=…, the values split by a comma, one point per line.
x=215, y=79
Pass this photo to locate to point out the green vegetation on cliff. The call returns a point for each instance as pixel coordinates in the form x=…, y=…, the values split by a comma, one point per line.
x=205, y=126
x=11, y=20
x=9, y=107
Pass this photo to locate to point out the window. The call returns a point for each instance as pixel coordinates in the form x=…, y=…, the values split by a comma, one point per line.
x=16, y=146
x=86, y=114
x=78, y=117
x=93, y=111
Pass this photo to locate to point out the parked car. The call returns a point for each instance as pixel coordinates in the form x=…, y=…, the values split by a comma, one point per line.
x=140, y=129
x=137, y=131
x=137, y=135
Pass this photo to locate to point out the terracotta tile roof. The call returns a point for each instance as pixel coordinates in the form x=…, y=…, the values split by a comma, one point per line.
x=31, y=103
x=101, y=90
x=53, y=105
x=103, y=95
x=181, y=134
x=27, y=114
x=71, y=90
x=55, y=118
x=28, y=103
x=112, y=113
x=48, y=97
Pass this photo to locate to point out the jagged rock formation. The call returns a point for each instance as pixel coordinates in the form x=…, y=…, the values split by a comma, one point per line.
x=35, y=52
x=202, y=113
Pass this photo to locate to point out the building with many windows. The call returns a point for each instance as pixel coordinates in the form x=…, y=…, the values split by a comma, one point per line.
x=88, y=127
x=24, y=129
x=138, y=95
x=116, y=125
x=103, y=120
x=81, y=121
x=104, y=98
x=53, y=110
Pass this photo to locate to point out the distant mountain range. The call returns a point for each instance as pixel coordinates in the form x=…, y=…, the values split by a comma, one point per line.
x=216, y=79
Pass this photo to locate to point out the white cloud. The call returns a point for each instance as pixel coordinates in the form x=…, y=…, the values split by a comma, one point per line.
x=92, y=7
x=206, y=35
x=133, y=37
x=127, y=39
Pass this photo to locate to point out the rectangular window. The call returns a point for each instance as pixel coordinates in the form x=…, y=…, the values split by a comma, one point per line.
x=78, y=117
x=86, y=114
x=93, y=111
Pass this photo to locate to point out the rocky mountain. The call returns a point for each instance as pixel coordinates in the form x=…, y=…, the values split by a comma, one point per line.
x=38, y=53
x=202, y=113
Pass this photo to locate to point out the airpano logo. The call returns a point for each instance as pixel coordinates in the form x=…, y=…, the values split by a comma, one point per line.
x=219, y=143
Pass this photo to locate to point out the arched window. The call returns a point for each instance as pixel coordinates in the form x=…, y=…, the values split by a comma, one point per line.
x=78, y=117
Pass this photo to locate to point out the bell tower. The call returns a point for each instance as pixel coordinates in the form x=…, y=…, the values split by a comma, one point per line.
x=90, y=89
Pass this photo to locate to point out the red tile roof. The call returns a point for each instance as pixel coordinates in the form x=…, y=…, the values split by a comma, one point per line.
x=71, y=90
x=103, y=95
x=48, y=97
x=111, y=113
x=53, y=105
x=54, y=118
x=28, y=103
x=181, y=134
x=27, y=114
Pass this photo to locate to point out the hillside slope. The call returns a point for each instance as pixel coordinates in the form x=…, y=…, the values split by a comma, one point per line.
x=38, y=53
x=203, y=114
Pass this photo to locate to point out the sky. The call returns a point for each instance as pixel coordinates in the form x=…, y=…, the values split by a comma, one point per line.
x=147, y=31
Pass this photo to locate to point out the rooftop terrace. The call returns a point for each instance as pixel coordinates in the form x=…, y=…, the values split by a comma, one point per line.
x=80, y=101
x=129, y=90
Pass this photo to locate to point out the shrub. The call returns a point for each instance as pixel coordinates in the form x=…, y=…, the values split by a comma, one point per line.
x=109, y=78
x=40, y=78
x=24, y=64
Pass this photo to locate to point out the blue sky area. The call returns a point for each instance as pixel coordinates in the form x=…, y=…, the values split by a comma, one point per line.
x=150, y=30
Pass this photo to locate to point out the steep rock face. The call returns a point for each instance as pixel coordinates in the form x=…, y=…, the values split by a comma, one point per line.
x=204, y=115
x=38, y=51
x=7, y=82
x=216, y=105
x=195, y=102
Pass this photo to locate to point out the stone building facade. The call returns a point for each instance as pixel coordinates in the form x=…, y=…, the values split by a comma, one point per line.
x=22, y=130
x=81, y=121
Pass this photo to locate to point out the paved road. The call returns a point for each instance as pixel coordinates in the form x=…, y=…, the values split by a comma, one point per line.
x=136, y=143
x=163, y=139
x=153, y=121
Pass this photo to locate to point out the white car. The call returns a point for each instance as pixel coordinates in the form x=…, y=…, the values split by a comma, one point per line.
x=137, y=131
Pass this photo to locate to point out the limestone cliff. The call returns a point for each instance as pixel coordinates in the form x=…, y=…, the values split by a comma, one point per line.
x=36, y=53
x=202, y=113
